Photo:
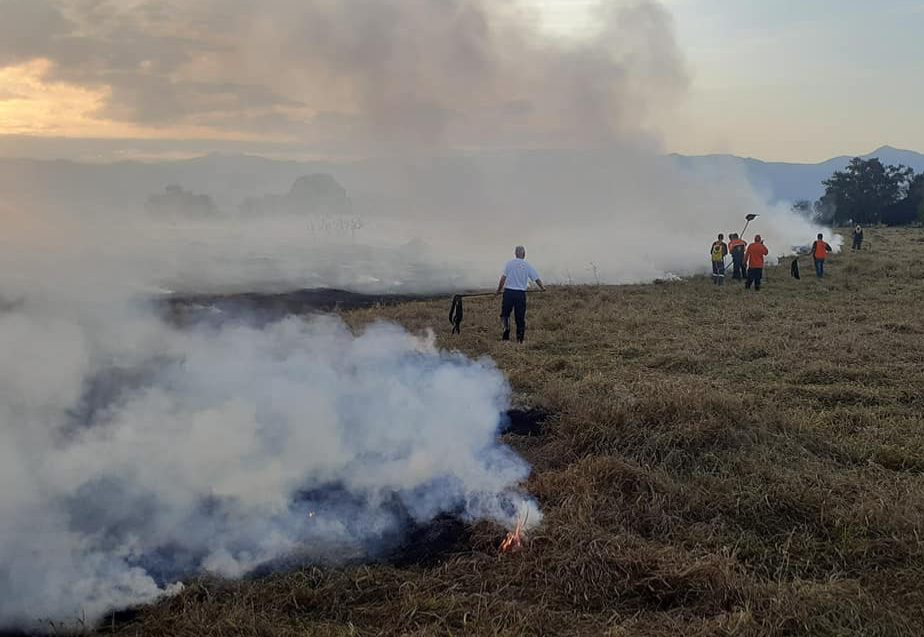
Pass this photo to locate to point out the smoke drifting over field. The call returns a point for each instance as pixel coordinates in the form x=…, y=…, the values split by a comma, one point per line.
x=433, y=95
x=132, y=453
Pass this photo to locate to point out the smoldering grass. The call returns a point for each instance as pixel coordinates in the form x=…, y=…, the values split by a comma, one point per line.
x=777, y=490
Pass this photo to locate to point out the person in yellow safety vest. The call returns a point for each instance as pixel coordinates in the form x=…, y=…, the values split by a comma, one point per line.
x=820, y=250
x=717, y=253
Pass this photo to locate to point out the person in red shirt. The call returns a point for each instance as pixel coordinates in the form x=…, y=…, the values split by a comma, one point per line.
x=754, y=256
x=820, y=250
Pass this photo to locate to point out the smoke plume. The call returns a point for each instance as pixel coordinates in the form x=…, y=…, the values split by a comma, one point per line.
x=133, y=453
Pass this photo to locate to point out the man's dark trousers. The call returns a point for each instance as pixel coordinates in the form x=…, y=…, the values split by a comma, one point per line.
x=754, y=277
x=819, y=268
x=740, y=272
x=514, y=301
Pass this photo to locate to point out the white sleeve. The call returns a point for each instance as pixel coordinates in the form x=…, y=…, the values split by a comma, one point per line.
x=533, y=274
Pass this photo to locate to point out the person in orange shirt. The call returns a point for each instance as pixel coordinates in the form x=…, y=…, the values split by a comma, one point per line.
x=736, y=246
x=754, y=256
x=820, y=250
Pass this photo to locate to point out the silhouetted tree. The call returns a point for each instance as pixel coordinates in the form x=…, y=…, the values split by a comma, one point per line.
x=175, y=201
x=908, y=209
x=803, y=206
x=862, y=191
x=824, y=210
x=916, y=189
x=901, y=213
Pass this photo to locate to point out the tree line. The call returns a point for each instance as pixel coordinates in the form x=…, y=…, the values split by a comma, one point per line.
x=868, y=192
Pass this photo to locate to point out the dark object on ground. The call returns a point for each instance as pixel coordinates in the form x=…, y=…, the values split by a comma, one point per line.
x=431, y=543
x=794, y=269
x=524, y=422
x=457, y=311
x=261, y=308
x=118, y=620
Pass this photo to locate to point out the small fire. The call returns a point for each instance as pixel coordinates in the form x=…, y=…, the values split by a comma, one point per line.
x=514, y=540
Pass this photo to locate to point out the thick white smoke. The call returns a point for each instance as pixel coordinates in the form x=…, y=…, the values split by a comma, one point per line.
x=434, y=94
x=133, y=454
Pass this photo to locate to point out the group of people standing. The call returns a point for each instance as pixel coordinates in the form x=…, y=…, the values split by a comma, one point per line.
x=747, y=260
x=747, y=265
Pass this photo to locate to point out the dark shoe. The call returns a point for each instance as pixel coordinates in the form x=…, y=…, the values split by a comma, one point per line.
x=505, y=336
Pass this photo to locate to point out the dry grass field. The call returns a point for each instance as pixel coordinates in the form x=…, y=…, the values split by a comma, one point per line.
x=715, y=462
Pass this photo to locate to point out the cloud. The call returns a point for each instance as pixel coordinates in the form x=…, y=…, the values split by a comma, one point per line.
x=29, y=29
x=356, y=74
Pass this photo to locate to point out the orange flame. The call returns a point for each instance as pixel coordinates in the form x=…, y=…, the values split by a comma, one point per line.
x=514, y=540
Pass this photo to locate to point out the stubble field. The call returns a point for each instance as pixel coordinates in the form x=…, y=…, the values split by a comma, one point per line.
x=714, y=462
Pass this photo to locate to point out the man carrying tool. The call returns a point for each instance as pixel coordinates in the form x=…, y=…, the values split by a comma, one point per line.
x=717, y=253
x=754, y=256
x=736, y=246
x=513, y=283
x=820, y=250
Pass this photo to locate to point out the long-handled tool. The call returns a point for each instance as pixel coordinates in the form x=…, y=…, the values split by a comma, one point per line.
x=748, y=219
x=456, y=311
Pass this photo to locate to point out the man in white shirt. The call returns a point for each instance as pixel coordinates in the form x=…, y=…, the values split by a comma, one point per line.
x=513, y=283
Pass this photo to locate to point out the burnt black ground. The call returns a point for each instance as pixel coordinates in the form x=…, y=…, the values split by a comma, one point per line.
x=261, y=308
x=524, y=422
x=430, y=543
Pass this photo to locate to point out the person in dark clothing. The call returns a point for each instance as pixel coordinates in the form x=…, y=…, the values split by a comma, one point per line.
x=820, y=250
x=736, y=246
x=858, y=237
x=513, y=283
x=513, y=301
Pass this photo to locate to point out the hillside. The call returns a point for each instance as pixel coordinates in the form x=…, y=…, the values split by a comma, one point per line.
x=783, y=181
x=231, y=178
x=714, y=462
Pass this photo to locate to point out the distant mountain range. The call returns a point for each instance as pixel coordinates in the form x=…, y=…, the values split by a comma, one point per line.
x=780, y=181
x=230, y=179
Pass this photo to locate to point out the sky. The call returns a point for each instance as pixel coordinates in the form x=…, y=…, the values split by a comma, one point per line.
x=787, y=80
x=790, y=80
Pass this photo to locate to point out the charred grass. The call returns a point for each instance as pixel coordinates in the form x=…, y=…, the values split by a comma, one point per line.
x=709, y=461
